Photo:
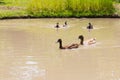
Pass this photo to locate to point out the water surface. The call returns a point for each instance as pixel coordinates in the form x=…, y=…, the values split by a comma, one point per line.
x=28, y=50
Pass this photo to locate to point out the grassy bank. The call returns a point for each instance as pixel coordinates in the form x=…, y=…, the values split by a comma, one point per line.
x=70, y=8
x=13, y=8
x=56, y=8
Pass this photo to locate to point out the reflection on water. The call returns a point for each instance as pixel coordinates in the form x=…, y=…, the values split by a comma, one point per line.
x=27, y=73
x=23, y=68
x=28, y=50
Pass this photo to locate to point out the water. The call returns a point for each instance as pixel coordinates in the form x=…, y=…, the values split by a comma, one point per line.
x=28, y=50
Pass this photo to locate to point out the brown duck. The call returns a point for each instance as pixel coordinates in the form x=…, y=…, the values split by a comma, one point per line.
x=72, y=46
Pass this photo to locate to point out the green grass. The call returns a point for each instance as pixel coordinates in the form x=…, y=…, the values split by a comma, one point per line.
x=11, y=14
x=21, y=3
x=56, y=8
x=68, y=8
x=13, y=8
x=117, y=1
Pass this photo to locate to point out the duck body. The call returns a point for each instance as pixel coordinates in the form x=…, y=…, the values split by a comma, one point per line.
x=89, y=27
x=73, y=46
x=91, y=41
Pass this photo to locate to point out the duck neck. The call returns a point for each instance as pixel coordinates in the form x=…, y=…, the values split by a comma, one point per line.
x=60, y=45
x=81, y=42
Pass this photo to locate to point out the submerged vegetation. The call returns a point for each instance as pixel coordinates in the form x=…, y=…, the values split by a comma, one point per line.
x=70, y=8
x=56, y=8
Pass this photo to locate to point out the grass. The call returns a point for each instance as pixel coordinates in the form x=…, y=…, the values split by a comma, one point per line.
x=56, y=8
x=13, y=8
x=117, y=1
x=12, y=14
x=20, y=3
x=69, y=8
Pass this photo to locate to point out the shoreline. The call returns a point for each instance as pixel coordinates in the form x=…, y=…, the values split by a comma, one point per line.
x=33, y=17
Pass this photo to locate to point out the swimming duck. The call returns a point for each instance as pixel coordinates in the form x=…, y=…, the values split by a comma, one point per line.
x=66, y=47
x=89, y=27
x=87, y=42
x=65, y=24
x=57, y=26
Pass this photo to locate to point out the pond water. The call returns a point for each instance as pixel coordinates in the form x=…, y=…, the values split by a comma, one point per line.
x=28, y=49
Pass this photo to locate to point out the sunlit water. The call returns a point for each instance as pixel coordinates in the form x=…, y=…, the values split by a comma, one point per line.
x=28, y=50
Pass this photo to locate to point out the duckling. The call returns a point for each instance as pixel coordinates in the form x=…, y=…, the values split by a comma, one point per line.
x=66, y=47
x=89, y=27
x=88, y=42
x=57, y=26
x=65, y=24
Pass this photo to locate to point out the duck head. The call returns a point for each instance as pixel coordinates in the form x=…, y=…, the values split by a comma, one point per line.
x=89, y=23
x=59, y=40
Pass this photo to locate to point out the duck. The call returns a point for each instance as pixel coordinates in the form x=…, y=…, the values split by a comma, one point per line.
x=72, y=46
x=90, y=26
x=57, y=26
x=87, y=42
x=65, y=24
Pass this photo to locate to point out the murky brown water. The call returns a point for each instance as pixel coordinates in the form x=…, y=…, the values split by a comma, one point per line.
x=28, y=50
